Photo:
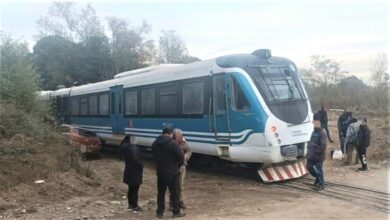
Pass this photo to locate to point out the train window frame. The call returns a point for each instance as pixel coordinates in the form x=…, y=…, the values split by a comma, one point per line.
x=153, y=101
x=202, y=97
x=234, y=82
x=171, y=92
x=83, y=102
x=95, y=106
x=74, y=106
x=100, y=104
x=125, y=92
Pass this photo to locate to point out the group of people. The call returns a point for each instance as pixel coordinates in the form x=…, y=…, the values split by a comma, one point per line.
x=171, y=153
x=354, y=134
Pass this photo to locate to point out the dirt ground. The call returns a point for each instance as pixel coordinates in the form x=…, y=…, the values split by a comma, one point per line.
x=219, y=192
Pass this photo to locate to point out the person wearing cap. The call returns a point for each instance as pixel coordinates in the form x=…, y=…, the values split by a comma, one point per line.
x=316, y=153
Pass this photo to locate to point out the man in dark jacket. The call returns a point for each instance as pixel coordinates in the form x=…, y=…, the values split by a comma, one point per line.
x=344, y=121
x=316, y=153
x=169, y=157
x=324, y=121
x=363, y=141
x=132, y=175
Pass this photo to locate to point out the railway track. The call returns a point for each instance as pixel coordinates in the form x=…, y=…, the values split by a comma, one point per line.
x=365, y=197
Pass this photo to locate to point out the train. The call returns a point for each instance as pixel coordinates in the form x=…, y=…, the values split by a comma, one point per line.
x=245, y=108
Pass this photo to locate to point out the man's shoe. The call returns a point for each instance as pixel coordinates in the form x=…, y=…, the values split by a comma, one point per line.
x=362, y=170
x=320, y=188
x=137, y=209
x=182, y=205
x=160, y=215
x=315, y=183
x=179, y=215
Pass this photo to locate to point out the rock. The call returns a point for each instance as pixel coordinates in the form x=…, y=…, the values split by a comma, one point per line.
x=39, y=181
x=101, y=202
x=31, y=209
x=115, y=202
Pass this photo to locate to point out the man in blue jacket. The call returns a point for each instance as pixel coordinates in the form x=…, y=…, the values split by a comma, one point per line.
x=169, y=157
x=316, y=152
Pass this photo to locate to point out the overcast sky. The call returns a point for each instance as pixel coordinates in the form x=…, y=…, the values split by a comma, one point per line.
x=351, y=32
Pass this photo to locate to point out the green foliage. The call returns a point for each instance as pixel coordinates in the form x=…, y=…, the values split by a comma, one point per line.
x=18, y=80
x=54, y=58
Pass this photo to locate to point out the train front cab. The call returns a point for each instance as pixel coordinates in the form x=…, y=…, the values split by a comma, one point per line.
x=247, y=131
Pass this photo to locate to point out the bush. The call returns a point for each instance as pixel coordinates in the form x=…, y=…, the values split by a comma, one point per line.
x=18, y=80
x=30, y=147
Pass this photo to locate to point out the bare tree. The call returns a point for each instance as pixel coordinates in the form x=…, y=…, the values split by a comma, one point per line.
x=172, y=47
x=379, y=75
x=63, y=19
x=325, y=71
x=131, y=48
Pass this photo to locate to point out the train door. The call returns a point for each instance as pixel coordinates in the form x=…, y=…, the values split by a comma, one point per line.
x=116, y=109
x=220, y=110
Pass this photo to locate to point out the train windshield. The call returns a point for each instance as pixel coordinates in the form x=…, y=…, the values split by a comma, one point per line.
x=277, y=83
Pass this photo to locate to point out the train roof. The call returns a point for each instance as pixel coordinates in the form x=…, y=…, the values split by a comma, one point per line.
x=166, y=73
x=155, y=75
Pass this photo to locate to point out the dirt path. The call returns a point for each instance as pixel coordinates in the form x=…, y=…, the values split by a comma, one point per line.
x=221, y=192
x=209, y=195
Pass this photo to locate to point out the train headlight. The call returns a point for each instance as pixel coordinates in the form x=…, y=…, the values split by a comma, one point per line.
x=276, y=135
x=273, y=129
x=279, y=141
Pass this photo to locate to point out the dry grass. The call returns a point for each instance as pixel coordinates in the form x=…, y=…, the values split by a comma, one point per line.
x=30, y=148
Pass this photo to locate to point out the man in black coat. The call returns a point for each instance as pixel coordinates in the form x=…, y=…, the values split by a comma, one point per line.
x=316, y=153
x=132, y=175
x=363, y=141
x=324, y=121
x=169, y=157
x=344, y=121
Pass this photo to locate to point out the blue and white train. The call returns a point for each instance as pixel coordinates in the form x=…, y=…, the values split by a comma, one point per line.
x=246, y=108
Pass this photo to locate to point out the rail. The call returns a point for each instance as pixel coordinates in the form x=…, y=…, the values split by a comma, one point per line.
x=366, y=197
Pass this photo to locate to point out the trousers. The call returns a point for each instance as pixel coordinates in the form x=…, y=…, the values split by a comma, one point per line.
x=172, y=183
x=315, y=169
x=350, y=148
x=132, y=196
x=362, y=156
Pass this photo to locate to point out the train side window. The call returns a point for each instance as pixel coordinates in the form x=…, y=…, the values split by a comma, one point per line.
x=103, y=104
x=65, y=105
x=131, y=102
x=168, y=100
x=193, y=98
x=92, y=105
x=148, y=101
x=219, y=96
x=75, y=106
x=83, y=106
x=240, y=102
